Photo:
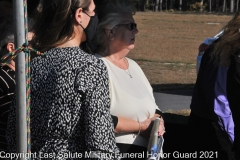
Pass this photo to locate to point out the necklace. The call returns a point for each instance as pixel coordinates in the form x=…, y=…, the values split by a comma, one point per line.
x=128, y=70
x=128, y=73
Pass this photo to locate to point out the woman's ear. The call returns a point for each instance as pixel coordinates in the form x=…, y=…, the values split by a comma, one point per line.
x=78, y=15
x=109, y=33
x=10, y=47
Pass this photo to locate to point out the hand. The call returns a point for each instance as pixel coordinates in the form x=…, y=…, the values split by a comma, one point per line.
x=161, y=129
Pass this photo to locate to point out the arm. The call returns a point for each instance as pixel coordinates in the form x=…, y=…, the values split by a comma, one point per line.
x=221, y=105
x=126, y=125
x=99, y=130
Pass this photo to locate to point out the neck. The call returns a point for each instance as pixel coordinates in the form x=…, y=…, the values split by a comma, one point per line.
x=118, y=61
x=74, y=41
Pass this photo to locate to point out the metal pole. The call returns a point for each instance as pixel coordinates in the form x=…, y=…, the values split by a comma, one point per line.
x=18, y=17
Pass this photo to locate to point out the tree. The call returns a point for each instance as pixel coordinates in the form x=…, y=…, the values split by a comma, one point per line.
x=180, y=5
x=160, y=7
x=201, y=5
x=224, y=5
x=166, y=4
x=232, y=6
x=171, y=4
x=237, y=5
x=210, y=5
x=156, y=5
x=143, y=4
x=217, y=5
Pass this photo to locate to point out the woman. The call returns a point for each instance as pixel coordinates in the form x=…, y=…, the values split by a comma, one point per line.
x=132, y=103
x=69, y=88
x=227, y=50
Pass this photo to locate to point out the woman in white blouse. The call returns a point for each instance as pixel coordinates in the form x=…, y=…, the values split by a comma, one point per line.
x=133, y=106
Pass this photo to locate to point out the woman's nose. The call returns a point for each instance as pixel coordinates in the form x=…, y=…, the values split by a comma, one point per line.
x=135, y=31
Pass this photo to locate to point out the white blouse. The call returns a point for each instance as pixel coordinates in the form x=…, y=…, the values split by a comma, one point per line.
x=130, y=97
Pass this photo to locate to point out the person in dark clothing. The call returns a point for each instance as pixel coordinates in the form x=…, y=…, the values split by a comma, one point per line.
x=233, y=92
x=7, y=75
x=205, y=122
x=228, y=49
x=225, y=53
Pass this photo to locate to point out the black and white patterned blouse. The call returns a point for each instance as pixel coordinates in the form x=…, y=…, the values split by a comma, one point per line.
x=70, y=106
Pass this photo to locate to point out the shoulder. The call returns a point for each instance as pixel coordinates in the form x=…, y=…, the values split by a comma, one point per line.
x=70, y=58
x=7, y=73
x=134, y=64
x=131, y=61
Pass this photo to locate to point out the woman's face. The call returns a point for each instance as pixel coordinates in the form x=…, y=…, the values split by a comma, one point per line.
x=124, y=33
x=88, y=13
x=86, y=16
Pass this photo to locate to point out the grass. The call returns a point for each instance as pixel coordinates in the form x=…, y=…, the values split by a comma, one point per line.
x=173, y=38
x=159, y=73
x=167, y=44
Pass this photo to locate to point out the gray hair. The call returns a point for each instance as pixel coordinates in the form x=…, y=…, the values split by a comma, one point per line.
x=6, y=32
x=110, y=14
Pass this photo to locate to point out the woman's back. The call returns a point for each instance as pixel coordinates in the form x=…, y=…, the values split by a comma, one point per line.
x=68, y=88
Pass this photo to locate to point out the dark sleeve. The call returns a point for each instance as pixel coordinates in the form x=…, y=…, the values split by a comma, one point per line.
x=98, y=122
x=237, y=66
x=115, y=120
x=159, y=112
x=203, y=93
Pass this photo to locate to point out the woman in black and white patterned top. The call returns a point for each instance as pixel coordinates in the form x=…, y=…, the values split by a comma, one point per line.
x=69, y=88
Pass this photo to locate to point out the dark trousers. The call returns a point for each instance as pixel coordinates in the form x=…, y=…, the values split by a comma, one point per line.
x=206, y=135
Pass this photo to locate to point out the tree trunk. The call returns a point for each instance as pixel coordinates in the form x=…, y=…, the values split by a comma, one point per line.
x=201, y=5
x=143, y=5
x=147, y=4
x=171, y=4
x=156, y=5
x=166, y=5
x=237, y=5
x=210, y=6
x=160, y=7
x=224, y=5
x=217, y=5
x=232, y=6
x=180, y=5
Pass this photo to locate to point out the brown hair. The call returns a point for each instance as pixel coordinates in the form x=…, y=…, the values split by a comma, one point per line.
x=229, y=42
x=54, y=25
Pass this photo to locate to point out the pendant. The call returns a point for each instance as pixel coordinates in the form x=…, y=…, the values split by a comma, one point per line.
x=130, y=76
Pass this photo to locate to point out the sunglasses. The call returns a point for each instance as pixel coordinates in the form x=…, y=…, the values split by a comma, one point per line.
x=130, y=26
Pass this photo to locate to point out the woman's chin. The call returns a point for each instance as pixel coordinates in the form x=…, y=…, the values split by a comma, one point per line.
x=130, y=47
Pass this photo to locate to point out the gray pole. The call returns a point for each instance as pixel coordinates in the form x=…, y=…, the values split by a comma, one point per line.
x=19, y=32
